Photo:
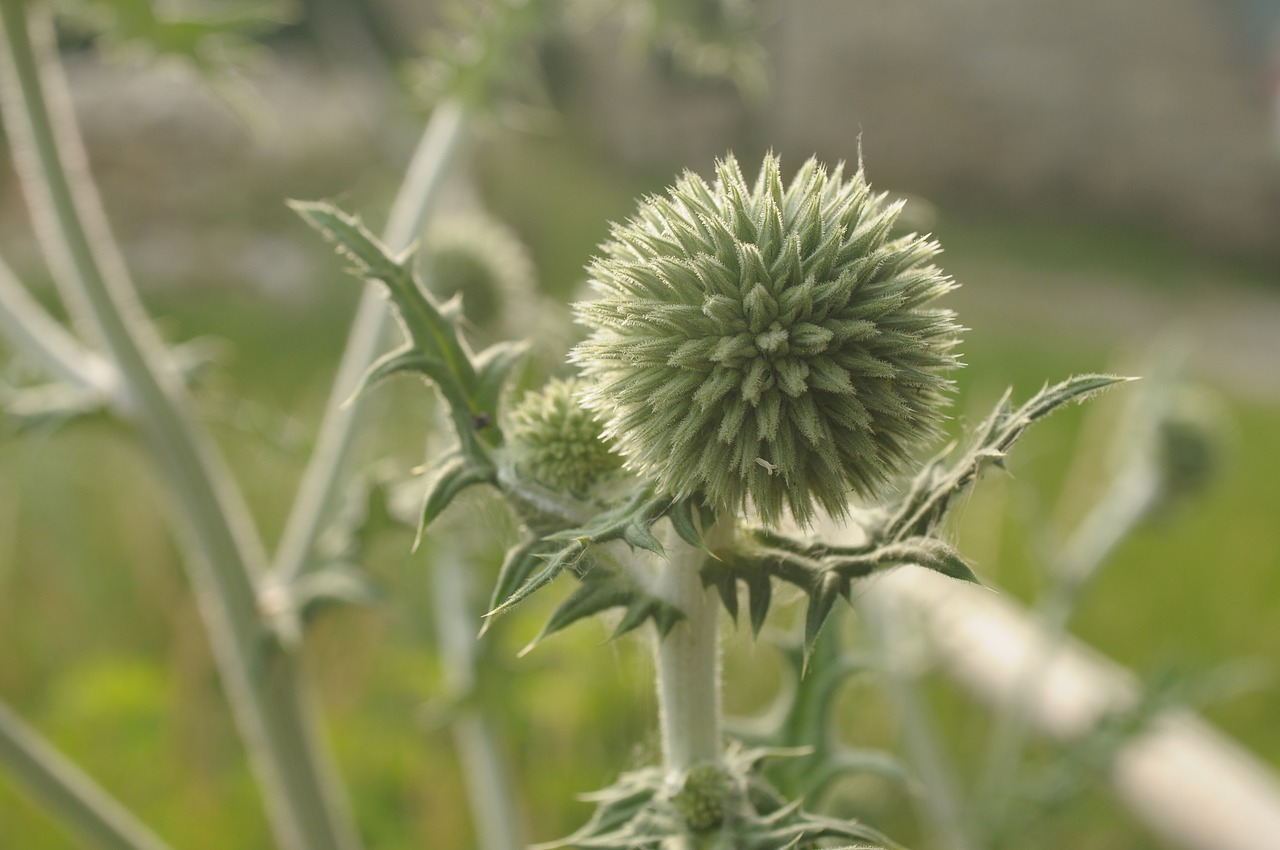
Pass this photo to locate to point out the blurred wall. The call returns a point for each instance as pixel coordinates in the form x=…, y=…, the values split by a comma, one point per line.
x=1151, y=109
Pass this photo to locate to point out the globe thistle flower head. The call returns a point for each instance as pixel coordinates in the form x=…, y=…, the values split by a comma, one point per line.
x=557, y=442
x=768, y=345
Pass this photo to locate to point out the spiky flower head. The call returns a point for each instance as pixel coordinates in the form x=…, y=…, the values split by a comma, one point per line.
x=767, y=345
x=557, y=442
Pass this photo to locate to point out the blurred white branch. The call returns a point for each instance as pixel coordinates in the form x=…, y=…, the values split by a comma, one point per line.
x=1186, y=781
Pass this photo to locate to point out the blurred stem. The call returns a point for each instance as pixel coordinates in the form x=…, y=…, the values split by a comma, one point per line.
x=313, y=505
x=688, y=658
x=1129, y=497
x=79, y=803
x=940, y=798
x=224, y=556
x=33, y=332
x=495, y=811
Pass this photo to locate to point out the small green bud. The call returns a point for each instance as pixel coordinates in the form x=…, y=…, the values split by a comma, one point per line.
x=1190, y=444
x=704, y=797
x=483, y=260
x=556, y=441
x=768, y=345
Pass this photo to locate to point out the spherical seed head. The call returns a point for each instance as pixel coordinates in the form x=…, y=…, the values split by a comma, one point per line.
x=481, y=258
x=768, y=345
x=557, y=442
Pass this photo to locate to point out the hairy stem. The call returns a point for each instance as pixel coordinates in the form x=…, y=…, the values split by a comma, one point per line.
x=688, y=658
x=57, y=784
x=313, y=506
x=223, y=553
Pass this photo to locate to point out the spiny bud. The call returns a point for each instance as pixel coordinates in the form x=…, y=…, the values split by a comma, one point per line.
x=483, y=260
x=556, y=441
x=768, y=345
x=704, y=797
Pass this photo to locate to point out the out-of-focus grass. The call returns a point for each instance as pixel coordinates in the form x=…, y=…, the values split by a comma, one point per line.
x=100, y=645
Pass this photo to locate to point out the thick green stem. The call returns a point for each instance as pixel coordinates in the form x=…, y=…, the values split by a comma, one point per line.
x=58, y=785
x=224, y=555
x=688, y=660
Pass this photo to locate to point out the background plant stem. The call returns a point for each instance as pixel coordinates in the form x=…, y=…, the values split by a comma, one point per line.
x=33, y=332
x=224, y=556
x=78, y=802
x=495, y=812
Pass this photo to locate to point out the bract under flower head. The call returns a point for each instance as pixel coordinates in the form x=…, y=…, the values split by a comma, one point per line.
x=767, y=345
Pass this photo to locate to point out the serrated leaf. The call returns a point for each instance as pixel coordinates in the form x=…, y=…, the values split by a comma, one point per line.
x=821, y=601
x=520, y=562
x=352, y=239
x=759, y=596
x=638, y=535
x=921, y=510
x=454, y=473
x=566, y=557
x=397, y=362
x=681, y=515
x=493, y=367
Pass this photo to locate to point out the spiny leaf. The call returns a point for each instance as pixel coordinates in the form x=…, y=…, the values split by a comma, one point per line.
x=520, y=562
x=921, y=510
x=568, y=556
x=682, y=520
x=493, y=366
x=760, y=594
x=452, y=474
x=821, y=600
x=396, y=362
x=354, y=241
x=602, y=589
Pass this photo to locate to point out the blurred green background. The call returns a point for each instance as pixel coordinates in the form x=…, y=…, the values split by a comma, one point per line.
x=1084, y=224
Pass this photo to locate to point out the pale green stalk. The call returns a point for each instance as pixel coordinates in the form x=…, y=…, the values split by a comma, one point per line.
x=940, y=801
x=224, y=556
x=688, y=658
x=490, y=791
x=313, y=506
x=63, y=789
x=34, y=333
x=1111, y=517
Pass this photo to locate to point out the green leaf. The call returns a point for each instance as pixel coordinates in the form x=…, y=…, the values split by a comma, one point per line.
x=602, y=589
x=397, y=362
x=451, y=474
x=924, y=506
x=568, y=556
x=493, y=367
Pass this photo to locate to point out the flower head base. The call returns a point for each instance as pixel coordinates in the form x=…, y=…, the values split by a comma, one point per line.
x=556, y=442
x=767, y=345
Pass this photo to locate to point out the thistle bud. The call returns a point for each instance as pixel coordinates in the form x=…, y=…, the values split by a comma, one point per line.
x=483, y=260
x=769, y=345
x=556, y=442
